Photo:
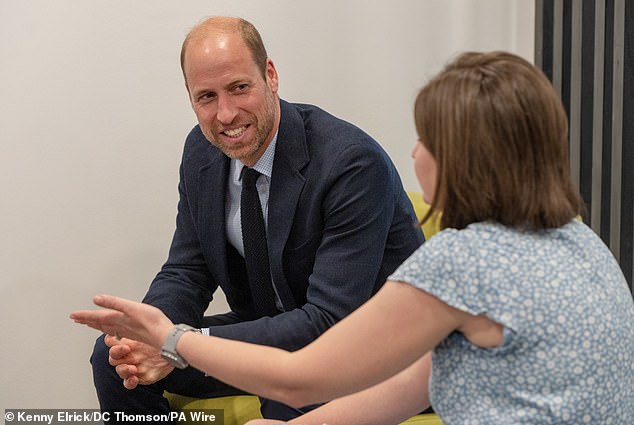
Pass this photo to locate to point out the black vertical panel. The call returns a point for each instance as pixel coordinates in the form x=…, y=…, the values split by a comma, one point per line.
x=627, y=183
x=587, y=101
x=566, y=55
x=607, y=121
x=547, y=10
x=547, y=39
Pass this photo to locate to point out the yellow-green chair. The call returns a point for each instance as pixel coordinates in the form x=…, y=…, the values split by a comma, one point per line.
x=240, y=409
x=431, y=226
x=424, y=419
x=237, y=410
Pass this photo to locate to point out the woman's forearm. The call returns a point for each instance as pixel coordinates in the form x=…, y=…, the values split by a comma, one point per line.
x=390, y=402
x=371, y=345
x=261, y=370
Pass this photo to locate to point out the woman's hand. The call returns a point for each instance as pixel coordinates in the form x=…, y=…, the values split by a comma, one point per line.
x=125, y=318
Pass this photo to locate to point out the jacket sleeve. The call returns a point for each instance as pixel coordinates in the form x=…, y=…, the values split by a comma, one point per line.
x=183, y=288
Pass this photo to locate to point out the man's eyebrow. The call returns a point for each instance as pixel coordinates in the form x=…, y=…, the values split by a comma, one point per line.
x=238, y=81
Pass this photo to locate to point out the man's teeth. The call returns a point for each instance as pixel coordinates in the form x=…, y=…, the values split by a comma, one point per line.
x=235, y=132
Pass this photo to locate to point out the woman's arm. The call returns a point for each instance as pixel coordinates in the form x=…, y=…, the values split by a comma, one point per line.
x=384, y=336
x=390, y=402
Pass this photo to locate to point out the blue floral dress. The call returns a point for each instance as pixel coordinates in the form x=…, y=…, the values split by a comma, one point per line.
x=568, y=317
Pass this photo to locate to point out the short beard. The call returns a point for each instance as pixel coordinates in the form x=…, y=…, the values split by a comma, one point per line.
x=262, y=132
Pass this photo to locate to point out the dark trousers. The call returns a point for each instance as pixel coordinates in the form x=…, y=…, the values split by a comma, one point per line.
x=148, y=399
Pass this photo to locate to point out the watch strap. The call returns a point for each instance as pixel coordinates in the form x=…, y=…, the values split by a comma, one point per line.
x=168, y=351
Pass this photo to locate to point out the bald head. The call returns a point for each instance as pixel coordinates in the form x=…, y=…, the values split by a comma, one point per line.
x=218, y=26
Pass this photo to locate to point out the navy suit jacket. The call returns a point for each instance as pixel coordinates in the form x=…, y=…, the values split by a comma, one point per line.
x=339, y=223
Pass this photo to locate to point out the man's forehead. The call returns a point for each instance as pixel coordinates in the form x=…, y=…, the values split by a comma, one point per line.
x=215, y=54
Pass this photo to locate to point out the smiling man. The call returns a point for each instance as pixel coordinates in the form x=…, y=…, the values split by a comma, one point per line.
x=335, y=223
x=233, y=94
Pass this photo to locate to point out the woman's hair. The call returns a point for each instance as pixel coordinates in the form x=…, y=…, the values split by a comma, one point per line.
x=499, y=135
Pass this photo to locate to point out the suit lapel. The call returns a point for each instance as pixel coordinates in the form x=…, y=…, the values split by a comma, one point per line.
x=287, y=182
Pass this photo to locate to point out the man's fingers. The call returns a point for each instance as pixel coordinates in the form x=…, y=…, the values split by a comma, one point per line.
x=126, y=371
x=119, y=352
x=111, y=341
x=131, y=382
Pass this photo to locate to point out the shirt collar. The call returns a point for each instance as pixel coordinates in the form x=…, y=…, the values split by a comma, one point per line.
x=264, y=164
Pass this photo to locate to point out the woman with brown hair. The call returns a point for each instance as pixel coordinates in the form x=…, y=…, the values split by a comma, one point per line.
x=525, y=310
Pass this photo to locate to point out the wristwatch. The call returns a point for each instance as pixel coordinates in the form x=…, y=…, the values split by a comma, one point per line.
x=168, y=351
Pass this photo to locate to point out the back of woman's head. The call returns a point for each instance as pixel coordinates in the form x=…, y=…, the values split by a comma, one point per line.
x=499, y=135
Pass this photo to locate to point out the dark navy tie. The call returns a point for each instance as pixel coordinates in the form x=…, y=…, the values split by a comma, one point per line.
x=256, y=255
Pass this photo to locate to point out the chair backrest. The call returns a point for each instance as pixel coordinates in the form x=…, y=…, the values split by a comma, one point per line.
x=431, y=226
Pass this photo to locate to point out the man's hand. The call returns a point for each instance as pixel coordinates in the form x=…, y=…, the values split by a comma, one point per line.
x=136, y=363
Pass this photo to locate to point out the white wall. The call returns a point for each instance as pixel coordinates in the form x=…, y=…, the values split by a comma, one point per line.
x=93, y=113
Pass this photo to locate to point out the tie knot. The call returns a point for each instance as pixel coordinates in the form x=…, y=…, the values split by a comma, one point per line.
x=249, y=176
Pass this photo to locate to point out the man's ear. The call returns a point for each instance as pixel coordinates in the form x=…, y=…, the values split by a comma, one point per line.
x=271, y=76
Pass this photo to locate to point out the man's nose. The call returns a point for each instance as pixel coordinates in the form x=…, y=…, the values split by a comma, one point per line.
x=227, y=110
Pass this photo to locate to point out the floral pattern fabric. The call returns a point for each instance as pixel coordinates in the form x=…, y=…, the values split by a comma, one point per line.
x=568, y=317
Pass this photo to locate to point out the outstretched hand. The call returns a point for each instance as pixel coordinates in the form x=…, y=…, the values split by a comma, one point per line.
x=126, y=319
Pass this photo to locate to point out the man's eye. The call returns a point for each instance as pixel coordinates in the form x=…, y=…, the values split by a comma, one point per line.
x=241, y=87
x=207, y=96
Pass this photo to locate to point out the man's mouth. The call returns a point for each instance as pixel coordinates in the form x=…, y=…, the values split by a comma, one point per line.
x=235, y=132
